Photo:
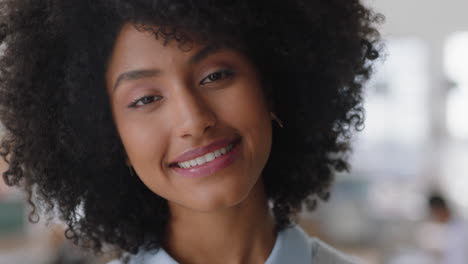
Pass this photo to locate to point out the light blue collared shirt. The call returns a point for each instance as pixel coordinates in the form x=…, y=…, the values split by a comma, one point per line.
x=292, y=246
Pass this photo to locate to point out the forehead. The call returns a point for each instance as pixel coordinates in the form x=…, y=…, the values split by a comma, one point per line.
x=138, y=52
x=136, y=49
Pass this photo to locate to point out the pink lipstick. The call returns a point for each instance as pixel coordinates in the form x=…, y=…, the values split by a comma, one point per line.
x=209, y=159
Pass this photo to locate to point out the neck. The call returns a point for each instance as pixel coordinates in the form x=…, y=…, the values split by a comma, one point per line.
x=243, y=233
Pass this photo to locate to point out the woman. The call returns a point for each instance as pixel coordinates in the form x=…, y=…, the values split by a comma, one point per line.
x=147, y=125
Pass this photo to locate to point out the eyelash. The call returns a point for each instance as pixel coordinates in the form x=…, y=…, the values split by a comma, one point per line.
x=137, y=101
x=224, y=75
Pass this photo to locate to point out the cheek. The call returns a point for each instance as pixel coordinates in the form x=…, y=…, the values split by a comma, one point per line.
x=250, y=114
x=144, y=143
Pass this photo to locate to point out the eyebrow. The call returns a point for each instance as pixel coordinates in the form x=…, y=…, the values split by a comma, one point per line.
x=147, y=73
x=203, y=53
x=135, y=75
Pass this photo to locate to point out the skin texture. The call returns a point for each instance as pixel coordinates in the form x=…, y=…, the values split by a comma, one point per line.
x=67, y=144
x=187, y=114
x=186, y=110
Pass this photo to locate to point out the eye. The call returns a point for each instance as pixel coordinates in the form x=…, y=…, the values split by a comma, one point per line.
x=216, y=76
x=144, y=101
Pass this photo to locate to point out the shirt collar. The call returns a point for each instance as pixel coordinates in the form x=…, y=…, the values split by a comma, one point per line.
x=291, y=246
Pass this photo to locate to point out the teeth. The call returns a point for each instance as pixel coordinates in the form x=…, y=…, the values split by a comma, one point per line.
x=205, y=158
x=201, y=160
x=191, y=163
x=209, y=157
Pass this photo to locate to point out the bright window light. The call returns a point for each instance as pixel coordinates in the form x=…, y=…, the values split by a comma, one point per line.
x=396, y=101
x=456, y=69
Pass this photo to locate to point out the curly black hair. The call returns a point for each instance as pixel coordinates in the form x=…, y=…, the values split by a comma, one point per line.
x=62, y=145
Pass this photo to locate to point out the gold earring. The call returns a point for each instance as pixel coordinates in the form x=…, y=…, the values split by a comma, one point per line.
x=274, y=117
x=130, y=170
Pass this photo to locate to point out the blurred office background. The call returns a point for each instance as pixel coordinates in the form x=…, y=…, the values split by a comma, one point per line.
x=415, y=142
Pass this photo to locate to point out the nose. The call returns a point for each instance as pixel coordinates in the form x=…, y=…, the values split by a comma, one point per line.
x=195, y=115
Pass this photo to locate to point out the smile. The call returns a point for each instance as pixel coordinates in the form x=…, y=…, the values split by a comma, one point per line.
x=207, y=163
x=205, y=158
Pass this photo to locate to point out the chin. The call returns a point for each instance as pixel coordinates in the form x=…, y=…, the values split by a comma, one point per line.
x=219, y=201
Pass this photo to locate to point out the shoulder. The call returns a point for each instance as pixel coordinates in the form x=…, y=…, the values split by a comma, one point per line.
x=294, y=245
x=323, y=253
x=144, y=256
x=128, y=258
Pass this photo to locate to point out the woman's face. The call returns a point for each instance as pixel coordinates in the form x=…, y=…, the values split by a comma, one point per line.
x=195, y=124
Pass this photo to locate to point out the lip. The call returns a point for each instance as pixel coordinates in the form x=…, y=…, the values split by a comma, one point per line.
x=213, y=166
x=196, y=152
